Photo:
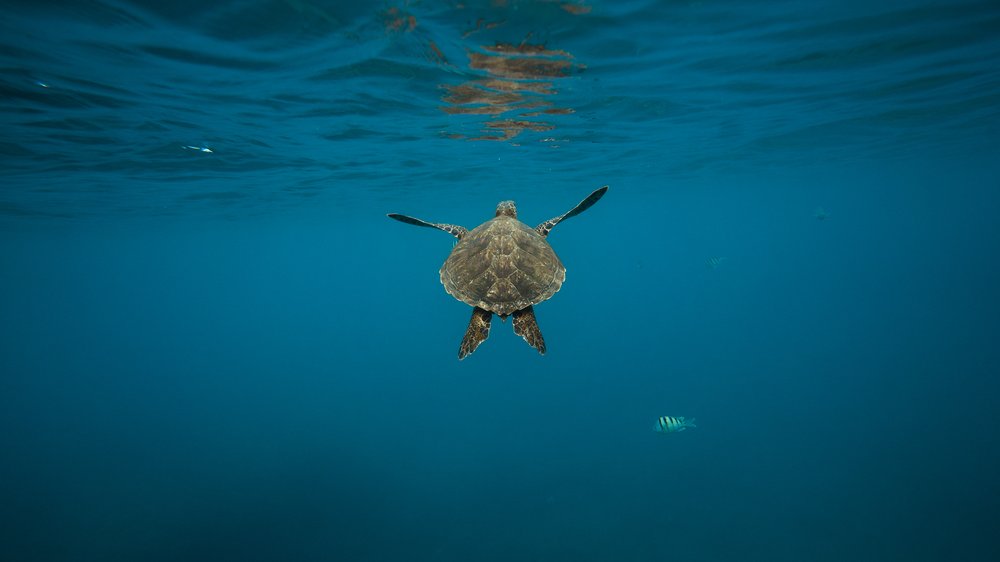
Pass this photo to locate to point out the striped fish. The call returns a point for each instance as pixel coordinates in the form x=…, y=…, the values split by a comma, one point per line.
x=670, y=424
x=714, y=262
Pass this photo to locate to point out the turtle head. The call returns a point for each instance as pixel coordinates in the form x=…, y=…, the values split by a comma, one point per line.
x=507, y=209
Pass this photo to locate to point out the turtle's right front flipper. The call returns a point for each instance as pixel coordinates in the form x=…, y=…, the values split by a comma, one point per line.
x=454, y=230
x=582, y=206
x=478, y=331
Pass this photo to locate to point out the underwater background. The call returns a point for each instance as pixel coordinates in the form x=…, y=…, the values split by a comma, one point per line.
x=215, y=346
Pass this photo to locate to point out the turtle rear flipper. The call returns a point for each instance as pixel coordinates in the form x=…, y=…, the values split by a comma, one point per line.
x=454, y=230
x=526, y=326
x=478, y=331
x=548, y=225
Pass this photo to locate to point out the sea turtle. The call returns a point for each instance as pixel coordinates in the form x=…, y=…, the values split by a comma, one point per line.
x=503, y=267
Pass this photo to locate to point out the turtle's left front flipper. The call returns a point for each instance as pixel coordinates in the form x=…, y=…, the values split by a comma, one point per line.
x=526, y=326
x=454, y=230
x=548, y=225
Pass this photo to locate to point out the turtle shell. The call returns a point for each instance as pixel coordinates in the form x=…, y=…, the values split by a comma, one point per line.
x=503, y=266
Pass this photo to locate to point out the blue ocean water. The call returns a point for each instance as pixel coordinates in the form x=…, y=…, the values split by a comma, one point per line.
x=215, y=346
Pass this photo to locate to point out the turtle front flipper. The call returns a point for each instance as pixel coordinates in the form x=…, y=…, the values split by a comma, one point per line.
x=454, y=230
x=478, y=331
x=526, y=326
x=548, y=225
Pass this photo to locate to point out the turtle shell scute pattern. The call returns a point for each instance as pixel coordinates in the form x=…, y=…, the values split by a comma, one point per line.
x=502, y=266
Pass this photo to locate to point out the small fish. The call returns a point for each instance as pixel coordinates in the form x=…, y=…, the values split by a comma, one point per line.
x=198, y=148
x=670, y=424
x=821, y=214
x=714, y=262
